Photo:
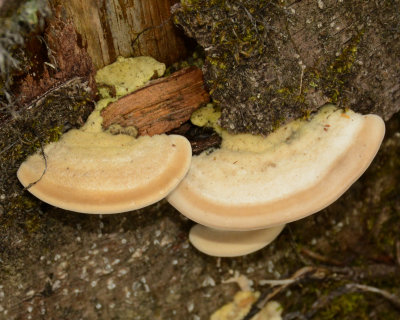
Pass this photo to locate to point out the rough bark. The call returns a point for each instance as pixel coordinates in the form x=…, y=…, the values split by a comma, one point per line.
x=271, y=61
x=56, y=264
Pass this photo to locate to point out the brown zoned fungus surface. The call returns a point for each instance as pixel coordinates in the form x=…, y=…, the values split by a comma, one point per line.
x=254, y=182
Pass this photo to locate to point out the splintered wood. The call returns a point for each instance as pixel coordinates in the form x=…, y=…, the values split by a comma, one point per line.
x=160, y=106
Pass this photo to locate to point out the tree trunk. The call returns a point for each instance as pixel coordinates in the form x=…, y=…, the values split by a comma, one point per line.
x=113, y=28
x=269, y=62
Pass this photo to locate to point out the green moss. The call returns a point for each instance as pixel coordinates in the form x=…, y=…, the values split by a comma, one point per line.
x=33, y=224
x=350, y=306
x=333, y=79
x=196, y=3
x=29, y=221
x=217, y=63
x=20, y=137
x=356, y=306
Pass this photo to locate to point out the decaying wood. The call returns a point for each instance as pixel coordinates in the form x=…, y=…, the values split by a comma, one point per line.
x=199, y=145
x=162, y=105
x=200, y=138
x=64, y=60
x=115, y=28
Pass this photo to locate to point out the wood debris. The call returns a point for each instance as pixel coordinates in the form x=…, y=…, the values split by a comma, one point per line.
x=160, y=106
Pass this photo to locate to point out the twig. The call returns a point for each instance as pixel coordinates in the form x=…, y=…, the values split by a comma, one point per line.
x=294, y=247
x=393, y=299
x=301, y=80
x=8, y=147
x=273, y=283
x=294, y=315
x=298, y=276
x=320, y=257
x=331, y=273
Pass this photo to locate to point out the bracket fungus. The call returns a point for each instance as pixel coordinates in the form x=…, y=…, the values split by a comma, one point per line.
x=223, y=243
x=254, y=182
x=92, y=171
x=101, y=173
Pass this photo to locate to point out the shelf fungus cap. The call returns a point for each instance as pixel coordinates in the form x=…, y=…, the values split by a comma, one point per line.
x=223, y=243
x=96, y=172
x=255, y=182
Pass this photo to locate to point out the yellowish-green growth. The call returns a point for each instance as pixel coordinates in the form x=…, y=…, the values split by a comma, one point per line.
x=94, y=121
x=238, y=308
x=282, y=136
x=207, y=117
x=128, y=74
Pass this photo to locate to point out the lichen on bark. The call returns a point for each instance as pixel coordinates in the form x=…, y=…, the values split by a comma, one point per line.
x=268, y=62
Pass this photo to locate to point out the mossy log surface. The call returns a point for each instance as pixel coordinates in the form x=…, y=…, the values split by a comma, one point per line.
x=268, y=62
x=56, y=264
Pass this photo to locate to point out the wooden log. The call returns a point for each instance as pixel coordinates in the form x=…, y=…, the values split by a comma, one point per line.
x=162, y=105
x=113, y=28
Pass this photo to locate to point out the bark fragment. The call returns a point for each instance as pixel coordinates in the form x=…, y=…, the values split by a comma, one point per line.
x=162, y=105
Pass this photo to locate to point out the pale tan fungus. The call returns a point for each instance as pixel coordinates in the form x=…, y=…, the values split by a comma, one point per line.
x=103, y=173
x=223, y=243
x=92, y=171
x=254, y=182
